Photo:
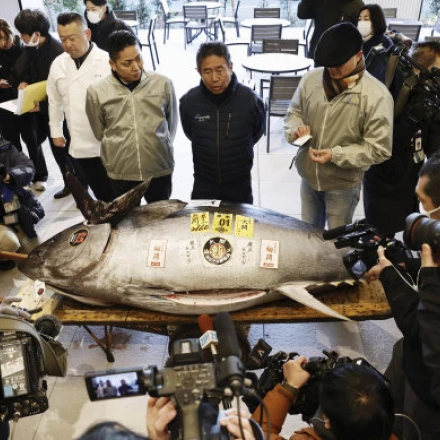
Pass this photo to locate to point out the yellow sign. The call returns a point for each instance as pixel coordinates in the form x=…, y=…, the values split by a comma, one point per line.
x=200, y=222
x=244, y=226
x=222, y=223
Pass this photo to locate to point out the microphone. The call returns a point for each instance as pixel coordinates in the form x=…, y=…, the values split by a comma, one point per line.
x=230, y=368
x=209, y=336
x=48, y=325
x=344, y=229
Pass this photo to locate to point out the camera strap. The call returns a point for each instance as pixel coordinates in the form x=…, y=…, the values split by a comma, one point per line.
x=404, y=94
x=54, y=354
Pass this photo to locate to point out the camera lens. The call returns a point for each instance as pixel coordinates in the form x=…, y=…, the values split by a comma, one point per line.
x=421, y=229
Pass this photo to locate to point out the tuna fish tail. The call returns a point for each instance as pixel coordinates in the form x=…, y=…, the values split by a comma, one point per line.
x=300, y=294
x=97, y=211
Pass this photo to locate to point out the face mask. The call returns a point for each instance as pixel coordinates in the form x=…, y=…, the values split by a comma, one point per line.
x=365, y=28
x=428, y=213
x=94, y=16
x=31, y=43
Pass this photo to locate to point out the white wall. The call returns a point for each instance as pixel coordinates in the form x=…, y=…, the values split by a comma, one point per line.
x=405, y=8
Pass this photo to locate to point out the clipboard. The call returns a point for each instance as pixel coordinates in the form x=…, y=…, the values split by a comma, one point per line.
x=26, y=97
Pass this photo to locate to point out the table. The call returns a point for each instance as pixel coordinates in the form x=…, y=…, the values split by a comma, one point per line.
x=360, y=302
x=249, y=22
x=405, y=21
x=209, y=5
x=277, y=63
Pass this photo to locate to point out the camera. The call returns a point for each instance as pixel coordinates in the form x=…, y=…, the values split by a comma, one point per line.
x=197, y=387
x=421, y=229
x=307, y=401
x=26, y=356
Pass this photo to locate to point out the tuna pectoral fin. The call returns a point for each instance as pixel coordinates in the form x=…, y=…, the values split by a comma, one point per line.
x=300, y=294
x=97, y=211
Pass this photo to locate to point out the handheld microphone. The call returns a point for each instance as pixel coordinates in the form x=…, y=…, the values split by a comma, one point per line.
x=230, y=368
x=209, y=337
x=344, y=229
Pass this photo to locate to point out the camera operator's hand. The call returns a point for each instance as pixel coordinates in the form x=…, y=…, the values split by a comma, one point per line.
x=294, y=373
x=382, y=262
x=160, y=412
x=427, y=257
x=7, y=309
x=232, y=424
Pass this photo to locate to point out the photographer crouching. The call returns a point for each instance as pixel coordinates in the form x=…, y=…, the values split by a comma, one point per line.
x=355, y=403
x=412, y=373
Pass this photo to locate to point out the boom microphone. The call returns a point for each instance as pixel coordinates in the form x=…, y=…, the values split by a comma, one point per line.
x=48, y=325
x=331, y=234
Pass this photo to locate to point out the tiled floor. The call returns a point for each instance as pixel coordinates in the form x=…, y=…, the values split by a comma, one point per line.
x=275, y=187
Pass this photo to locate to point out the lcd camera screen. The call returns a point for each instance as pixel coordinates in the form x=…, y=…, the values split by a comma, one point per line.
x=110, y=386
x=14, y=376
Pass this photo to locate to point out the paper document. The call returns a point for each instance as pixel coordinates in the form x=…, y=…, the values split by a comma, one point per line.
x=26, y=98
x=302, y=140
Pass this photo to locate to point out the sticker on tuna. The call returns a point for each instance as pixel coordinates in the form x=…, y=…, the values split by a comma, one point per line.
x=157, y=253
x=217, y=251
x=79, y=237
x=222, y=223
x=199, y=222
x=244, y=226
x=270, y=253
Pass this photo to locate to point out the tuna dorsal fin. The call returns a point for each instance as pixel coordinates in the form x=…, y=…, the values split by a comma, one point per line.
x=97, y=211
x=299, y=294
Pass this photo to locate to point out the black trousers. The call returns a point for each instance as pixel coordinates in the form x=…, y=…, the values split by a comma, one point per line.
x=10, y=128
x=160, y=188
x=96, y=176
x=237, y=191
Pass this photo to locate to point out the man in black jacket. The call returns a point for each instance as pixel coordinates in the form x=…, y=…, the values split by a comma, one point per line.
x=224, y=120
x=327, y=13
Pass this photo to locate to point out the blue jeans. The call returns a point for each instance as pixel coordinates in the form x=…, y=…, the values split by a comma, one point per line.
x=337, y=206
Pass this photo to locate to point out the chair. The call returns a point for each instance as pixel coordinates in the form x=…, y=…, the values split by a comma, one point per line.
x=260, y=33
x=281, y=91
x=310, y=24
x=277, y=46
x=390, y=12
x=409, y=30
x=196, y=19
x=267, y=12
x=234, y=19
x=151, y=42
x=170, y=18
x=130, y=17
x=230, y=42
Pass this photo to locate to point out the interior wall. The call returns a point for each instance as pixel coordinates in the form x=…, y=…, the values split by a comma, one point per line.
x=9, y=9
x=405, y=8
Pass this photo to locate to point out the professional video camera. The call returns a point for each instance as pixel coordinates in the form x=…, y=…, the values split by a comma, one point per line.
x=197, y=387
x=307, y=402
x=361, y=236
x=26, y=356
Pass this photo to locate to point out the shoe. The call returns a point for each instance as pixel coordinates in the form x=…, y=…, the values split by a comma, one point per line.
x=62, y=193
x=7, y=265
x=39, y=186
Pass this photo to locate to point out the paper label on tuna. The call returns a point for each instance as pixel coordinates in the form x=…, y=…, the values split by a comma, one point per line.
x=247, y=252
x=188, y=251
x=157, y=253
x=204, y=202
x=222, y=223
x=199, y=222
x=244, y=226
x=40, y=290
x=270, y=252
x=216, y=252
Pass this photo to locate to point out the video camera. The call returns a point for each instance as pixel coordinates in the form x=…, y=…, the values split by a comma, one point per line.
x=26, y=356
x=197, y=387
x=419, y=229
x=307, y=402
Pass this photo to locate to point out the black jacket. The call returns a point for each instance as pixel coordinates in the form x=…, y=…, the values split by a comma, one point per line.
x=404, y=301
x=102, y=30
x=223, y=137
x=327, y=13
x=21, y=170
x=8, y=59
x=376, y=40
x=428, y=316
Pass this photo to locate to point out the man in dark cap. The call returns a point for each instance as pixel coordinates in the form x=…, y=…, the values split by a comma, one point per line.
x=349, y=116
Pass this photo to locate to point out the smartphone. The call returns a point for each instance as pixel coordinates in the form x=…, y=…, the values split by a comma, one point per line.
x=114, y=384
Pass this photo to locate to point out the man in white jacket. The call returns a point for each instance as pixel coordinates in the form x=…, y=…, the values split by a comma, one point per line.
x=71, y=73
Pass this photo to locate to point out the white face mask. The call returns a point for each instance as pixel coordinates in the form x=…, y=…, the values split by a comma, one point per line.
x=428, y=213
x=365, y=28
x=94, y=16
x=31, y=42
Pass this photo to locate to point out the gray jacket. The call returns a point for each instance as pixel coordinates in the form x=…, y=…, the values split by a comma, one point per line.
x=137, y=128
x=357, y=125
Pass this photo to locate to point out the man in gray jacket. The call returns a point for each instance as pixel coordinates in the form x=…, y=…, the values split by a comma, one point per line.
x=349, y=115
x=134, y=114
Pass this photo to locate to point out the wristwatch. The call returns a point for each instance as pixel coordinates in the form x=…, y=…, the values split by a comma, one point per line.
x=290, y=388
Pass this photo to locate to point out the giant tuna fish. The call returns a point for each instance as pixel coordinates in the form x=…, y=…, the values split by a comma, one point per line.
x=182, y=258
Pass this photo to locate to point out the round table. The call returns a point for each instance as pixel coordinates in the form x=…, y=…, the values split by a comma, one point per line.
x=249, y=22
x=277, y=63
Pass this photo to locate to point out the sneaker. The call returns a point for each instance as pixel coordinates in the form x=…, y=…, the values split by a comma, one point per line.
x=39, y=186
x=62, y=193
x=7, y=265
